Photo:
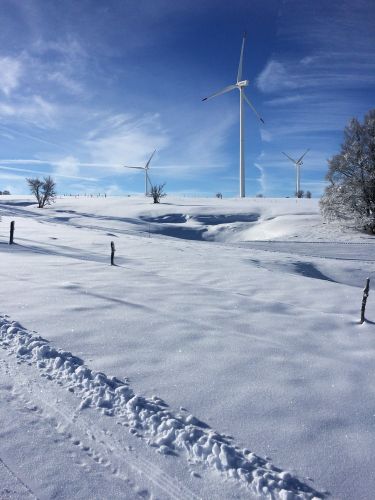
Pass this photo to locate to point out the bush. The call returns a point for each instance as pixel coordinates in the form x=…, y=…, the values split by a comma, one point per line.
x=157, y=192
x=43, y=190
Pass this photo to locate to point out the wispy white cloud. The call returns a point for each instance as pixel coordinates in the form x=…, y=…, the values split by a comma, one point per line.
x=9, y=176
x=205, y=145
x=10, y=74
x=286, y=100
x=41, y=172
x=262, y=177
x=67, y=46
x=324, y=73
x=125, y=140
x=13, y=131
x=324, y=46
x=23, y=162
x=67, y=167
x=276, y=77
x=68, y=83
x=265, y=135
x=32, y=109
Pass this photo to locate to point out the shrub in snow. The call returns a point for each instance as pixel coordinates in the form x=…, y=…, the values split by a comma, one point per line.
x=350, y=195
x=43, y=190
x=300, y=193
x=157, y=192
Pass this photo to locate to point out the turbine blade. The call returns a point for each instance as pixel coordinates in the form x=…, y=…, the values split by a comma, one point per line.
x=303, y=155
x=149, y=161
x=291, y=159
x=222, y=91
x=239, y=73
x=138, y=168
x=252, y=107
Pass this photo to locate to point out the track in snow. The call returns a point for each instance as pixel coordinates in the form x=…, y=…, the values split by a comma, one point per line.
x=30, y=357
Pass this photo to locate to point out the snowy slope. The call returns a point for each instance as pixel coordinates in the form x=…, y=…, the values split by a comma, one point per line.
x=256, y=339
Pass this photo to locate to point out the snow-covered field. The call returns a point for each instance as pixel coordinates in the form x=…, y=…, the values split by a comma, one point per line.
x=221, y=357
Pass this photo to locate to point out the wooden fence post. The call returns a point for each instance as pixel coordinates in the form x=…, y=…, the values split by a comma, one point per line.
x=112, y=253
x=11, y=233
x=366, y=292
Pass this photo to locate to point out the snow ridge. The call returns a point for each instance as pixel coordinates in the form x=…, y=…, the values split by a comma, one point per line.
x=166, y=430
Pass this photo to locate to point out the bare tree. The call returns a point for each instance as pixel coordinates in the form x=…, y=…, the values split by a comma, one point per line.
x=300, y=193
x=308, y=194
x=157, y=192
x=43, y=190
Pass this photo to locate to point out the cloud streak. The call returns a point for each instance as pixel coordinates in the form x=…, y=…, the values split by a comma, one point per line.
x=40, y=172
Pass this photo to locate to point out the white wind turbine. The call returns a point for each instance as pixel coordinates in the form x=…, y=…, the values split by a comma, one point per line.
x=240, y=85
x=298, y=163
x=146, y=168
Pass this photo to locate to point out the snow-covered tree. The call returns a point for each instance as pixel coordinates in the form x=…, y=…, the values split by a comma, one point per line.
x=350, y=195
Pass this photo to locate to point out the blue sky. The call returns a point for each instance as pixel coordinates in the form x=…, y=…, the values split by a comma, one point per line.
x=87, y=86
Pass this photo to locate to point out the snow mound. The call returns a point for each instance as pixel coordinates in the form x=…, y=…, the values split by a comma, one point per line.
x=168, y=431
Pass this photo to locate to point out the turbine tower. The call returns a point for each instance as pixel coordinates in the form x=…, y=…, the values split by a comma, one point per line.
x=146, y=168
x=298, y=163
x=240, y=85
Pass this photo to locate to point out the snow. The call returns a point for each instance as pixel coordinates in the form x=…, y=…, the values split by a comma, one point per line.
x=223, y=349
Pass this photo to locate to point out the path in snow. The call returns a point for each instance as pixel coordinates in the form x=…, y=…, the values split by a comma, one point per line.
x=169, y=432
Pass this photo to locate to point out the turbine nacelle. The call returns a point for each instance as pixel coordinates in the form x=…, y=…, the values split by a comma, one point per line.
x=244, y=83
x=298, y=162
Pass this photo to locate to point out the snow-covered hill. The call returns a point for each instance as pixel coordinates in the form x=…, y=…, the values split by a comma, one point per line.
x=240, y=315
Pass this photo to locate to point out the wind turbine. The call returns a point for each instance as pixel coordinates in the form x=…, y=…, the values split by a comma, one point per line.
x=240, y=85
x=298, y=163
x=146, y=168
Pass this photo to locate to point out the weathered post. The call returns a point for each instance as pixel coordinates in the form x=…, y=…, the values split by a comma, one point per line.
x=366, y=292
x=112, y=253
x=11, y=233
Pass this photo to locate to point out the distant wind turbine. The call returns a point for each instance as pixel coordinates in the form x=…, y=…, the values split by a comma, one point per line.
x=146, y=168
x=298, y=163
x=240, y=85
